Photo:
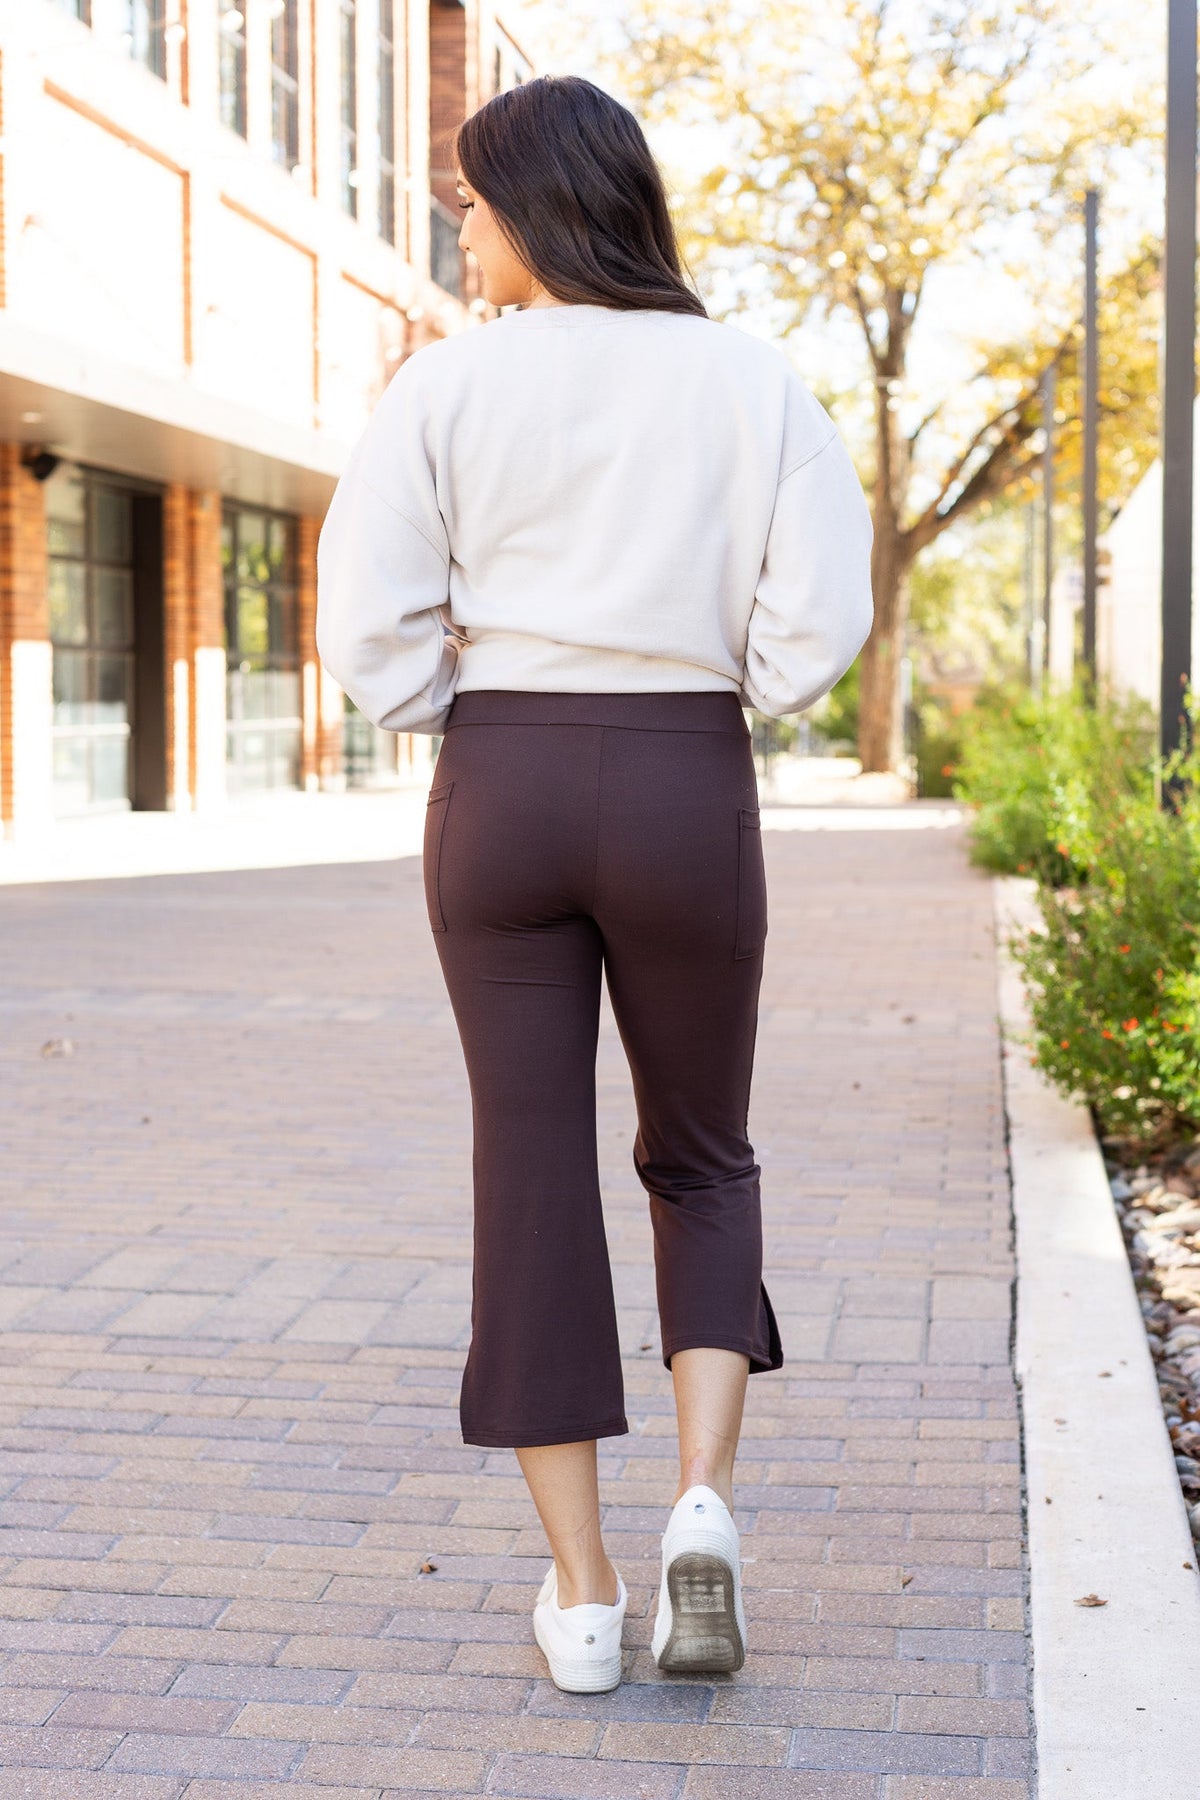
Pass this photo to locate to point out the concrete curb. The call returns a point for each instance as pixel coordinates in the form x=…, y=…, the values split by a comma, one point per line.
x=1114, y=1687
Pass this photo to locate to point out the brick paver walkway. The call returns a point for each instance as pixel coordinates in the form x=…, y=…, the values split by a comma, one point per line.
x=244, y=1545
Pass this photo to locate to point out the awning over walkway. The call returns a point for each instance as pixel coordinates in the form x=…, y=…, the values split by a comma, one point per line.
x=96, y=409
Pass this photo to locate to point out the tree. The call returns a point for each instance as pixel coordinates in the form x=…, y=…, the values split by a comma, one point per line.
x=857, y=149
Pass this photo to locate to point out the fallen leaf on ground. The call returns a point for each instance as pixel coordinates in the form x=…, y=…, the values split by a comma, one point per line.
x=1091, y=1600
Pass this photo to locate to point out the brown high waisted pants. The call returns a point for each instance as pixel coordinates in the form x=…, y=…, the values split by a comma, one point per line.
x=567, y=834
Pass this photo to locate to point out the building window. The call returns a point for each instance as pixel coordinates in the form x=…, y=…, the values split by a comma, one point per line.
x=349, y=106
x=90, y=540
x=145, y=25
x=258, y=558
x=387, y=123
x=511, y=66
x=78, y=9
x=231, y=68
x=445, y=257
x=285, y=83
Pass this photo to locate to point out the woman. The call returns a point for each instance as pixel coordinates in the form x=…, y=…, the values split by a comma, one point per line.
x=578, y=541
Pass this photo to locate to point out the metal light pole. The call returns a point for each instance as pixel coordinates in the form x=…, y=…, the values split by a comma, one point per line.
x=1047, y=511
x=1179, y=377
x=1091, y=420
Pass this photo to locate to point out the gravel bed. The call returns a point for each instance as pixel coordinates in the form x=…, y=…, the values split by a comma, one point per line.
x=1157, y=1198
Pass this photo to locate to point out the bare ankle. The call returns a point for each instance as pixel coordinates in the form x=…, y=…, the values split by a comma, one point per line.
x=720, y=1484
x=600, y=1586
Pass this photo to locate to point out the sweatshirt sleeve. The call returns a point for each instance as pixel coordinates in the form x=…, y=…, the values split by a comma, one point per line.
x=383, y=617
x=813, y=606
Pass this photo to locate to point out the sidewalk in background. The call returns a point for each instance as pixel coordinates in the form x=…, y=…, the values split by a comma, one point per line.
x=288, y=828
x=281, y=829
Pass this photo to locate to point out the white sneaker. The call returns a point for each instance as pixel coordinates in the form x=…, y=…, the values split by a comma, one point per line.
x=700, y=1624
x=581, y=1643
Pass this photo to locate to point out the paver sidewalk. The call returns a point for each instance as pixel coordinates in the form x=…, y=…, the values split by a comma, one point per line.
x=234, y=1298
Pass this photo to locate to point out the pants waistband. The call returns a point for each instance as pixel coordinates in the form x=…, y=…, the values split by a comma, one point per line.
x=698, y=710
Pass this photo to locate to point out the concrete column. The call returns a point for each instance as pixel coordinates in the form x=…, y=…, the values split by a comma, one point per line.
x=417, y=111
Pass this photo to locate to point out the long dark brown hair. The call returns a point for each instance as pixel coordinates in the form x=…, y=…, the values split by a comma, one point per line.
x=577, y=193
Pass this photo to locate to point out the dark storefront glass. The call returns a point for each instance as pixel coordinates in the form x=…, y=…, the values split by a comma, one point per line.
x=258, y=559
x=368, y=752
x=90, y=541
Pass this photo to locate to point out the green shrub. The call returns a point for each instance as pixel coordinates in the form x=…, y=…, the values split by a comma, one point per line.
x=1113, y=978
x=837, y=721
x=938, y=744
x=1029, y=765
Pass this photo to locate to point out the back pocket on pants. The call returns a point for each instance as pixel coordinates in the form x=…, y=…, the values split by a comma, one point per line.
x=436, y=808
x=751, y=884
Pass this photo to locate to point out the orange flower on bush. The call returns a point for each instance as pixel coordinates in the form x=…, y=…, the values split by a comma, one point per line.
x=1124, y=949
x=1106, y=1032
x=1066, y=1044
x=1129, y=1024
x=947, y=768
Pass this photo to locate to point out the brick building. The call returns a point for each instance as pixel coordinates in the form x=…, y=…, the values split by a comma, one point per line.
x=221, y=230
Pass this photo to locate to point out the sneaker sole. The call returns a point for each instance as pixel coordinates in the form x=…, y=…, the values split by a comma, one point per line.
x=704, y=1631
x=580, y=1677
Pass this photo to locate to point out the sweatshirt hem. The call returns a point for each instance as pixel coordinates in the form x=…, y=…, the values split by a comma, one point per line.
x=540, y=665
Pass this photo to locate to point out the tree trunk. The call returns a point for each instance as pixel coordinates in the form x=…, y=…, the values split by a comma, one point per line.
x=879, y=733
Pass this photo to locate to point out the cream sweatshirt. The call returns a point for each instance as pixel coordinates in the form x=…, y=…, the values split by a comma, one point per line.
x=574, y=498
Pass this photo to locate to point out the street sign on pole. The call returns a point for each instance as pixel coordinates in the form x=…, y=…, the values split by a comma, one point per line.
x=1178, y=375
x=1091, y=419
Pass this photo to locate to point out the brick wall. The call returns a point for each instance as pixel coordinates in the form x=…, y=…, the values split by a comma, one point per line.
x=447, y=93
x=25, y=696
x=206, y=671
x=177, y=643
